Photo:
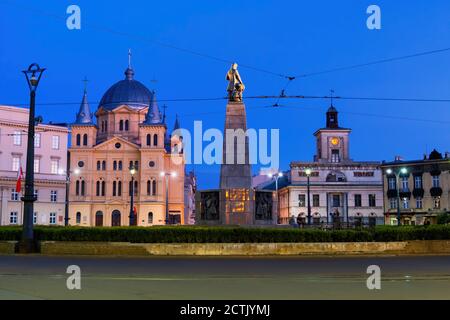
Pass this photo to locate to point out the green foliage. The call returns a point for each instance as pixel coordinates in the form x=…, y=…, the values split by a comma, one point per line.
x=443, y=218
x=234, y=234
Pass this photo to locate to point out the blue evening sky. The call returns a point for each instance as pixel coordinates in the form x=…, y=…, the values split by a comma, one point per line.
x=289, y=37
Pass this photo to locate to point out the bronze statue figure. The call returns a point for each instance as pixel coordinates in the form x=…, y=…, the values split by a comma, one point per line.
x=235, y=85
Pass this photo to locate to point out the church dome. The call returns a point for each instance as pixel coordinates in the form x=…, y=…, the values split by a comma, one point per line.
x=129, y=92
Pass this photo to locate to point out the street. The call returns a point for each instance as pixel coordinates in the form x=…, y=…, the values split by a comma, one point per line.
x=44, y=277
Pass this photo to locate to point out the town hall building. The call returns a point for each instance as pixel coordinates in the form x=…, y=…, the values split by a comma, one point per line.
x=341, y=190
x=126, y=151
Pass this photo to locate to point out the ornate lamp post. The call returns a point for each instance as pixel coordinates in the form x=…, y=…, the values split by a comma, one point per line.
x=132, y=172
x=276, y=176
x=308, y=175
x=397, y=174
x=166, y=176
x=27, y=245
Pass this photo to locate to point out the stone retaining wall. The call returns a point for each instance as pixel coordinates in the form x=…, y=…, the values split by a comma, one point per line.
x=236, y=249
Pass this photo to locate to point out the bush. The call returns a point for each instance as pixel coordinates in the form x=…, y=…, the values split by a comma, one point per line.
x=443, y=218
x=200, y=234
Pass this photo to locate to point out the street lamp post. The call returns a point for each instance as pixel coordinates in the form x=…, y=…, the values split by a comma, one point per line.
x=166, y=176
x=308, y=174
x=131, y=217
x=277, y=176
x=397, y=180
x=27, y=245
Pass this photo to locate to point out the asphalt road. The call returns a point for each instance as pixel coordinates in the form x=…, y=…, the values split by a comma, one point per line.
x=44, y=277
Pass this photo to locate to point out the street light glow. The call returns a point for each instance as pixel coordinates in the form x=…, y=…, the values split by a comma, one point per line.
x=280, y=174
x=77, y=171
x=162, y=174
x=308, y=171
x=389, y=171
x=404, y=170
x=174, y=174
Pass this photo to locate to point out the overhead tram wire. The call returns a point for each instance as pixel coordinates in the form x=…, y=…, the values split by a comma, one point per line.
x=262, y=97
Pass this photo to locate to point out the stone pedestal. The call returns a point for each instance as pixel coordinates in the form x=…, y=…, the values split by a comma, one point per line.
x=235, y=172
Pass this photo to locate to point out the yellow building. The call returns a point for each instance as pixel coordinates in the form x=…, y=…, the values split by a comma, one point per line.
x=129, y=132
x=422, y=187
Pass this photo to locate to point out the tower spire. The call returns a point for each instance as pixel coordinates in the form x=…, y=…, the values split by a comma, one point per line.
x=331, y=97
x=153, y=115
x=84, y=115
x=129, y=73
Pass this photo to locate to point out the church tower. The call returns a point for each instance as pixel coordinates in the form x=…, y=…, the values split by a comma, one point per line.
x=332, y=142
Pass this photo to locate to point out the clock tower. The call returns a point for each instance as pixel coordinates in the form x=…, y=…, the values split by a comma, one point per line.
x=332, y=142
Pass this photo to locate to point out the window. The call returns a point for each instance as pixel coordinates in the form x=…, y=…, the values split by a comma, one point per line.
x=155, y=140
x=54, y=166
x=154, y=187
x=419, y=203
x=36, y=194
x=127, y=125
x=392, y=185
x=52, y=218
x=393, y=203
x=78, y=218
x=14, y=195
x=103, y=188
x=103, y=165
x=53, y=195
x=78, y=139
x=17, y=138
x=120, y=165
x=336, y=200
x=106, y=126
x=83, y=188
x=150, y=218
x=335, y=156
x=85, y=139
x=119, y=188
x=149, y=187
x=301, y=200
x=358, y=201
x=37, y=140
x=372, y=200
x=121, y=125
x=15, y=163
x=98, y=165
x=115, y=165
x=37, y=163
x=405, y=184
x=437, y=202
x=35, y=218
x=149, y=139
x=436, y=182
x=55, y=142
x=316, y=200
x=77, y=188
x=136, y=165
x=114, y=189
x=418, y=182
x=97, y=189
x=13, y=217
x=405, y=203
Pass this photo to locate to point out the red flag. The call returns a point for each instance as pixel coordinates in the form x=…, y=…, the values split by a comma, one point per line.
x=134, y=210
x=19, y=180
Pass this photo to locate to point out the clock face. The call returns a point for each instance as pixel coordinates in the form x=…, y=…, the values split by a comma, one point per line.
x=334, y=141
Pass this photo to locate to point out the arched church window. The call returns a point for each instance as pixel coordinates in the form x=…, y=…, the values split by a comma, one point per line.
x=149, y=139
x=155, y=140
x=154, y=187
x=127, y=125
x=78, y=139
x=150, y=218
x=85, y=139
x=121, y=125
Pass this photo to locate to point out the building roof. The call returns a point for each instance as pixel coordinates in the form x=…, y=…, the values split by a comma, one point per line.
x=128, y=91
x=153, y=115
x=84, y=115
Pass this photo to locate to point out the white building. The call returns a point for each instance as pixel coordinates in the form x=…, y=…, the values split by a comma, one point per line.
x=49, y=166
x=341, y=190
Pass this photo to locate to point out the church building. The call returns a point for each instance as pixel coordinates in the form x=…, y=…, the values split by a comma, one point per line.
x=125, y=154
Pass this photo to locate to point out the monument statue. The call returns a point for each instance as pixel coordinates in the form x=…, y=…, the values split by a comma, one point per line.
x=235, y=85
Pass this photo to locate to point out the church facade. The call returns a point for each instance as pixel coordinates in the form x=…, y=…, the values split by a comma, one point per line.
x=125, y=152
x=341, y=190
